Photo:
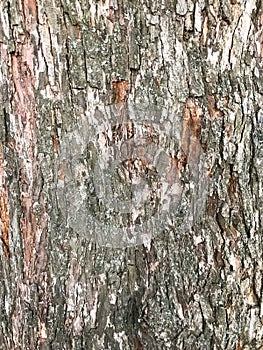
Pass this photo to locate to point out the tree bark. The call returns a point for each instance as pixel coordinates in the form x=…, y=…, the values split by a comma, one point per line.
x=187, y=284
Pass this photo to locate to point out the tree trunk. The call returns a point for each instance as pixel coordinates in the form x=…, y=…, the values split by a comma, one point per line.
x=164, y=250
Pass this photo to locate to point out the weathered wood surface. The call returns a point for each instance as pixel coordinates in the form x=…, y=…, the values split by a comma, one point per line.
x=184, y=289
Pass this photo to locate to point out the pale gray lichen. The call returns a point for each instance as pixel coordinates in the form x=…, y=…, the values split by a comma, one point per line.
x=125, y=173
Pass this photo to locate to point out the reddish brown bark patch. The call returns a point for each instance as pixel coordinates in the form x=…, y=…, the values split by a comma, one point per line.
x=30, y=12
x=5, y=223
x=111, y=15
x=138, y=344
x=173, y=171
x=4, y=214
x=24, y=106
x=120, y=91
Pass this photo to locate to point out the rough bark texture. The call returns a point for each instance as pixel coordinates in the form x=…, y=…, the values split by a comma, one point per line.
x=194, y=289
